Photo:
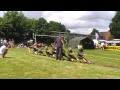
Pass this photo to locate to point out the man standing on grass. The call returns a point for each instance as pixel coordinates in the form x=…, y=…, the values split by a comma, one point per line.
x=59, y=43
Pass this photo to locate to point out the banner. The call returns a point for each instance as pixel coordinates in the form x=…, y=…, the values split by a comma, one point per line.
x=113, y=47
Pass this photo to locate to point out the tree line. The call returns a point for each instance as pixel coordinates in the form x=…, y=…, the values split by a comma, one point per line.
x=14, y=24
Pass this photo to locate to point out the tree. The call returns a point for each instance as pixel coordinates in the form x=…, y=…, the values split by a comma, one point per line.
x=115, y=25
x=94, y=31
x=1, y=25
x=41, y=26
x=31, y=24
x=92, y=34
x=111, y=37
x=55, y=26
x=14, y=25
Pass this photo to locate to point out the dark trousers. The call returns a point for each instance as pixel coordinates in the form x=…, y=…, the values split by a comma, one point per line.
x=63, y=54
x=70, y=57
x=59, y=53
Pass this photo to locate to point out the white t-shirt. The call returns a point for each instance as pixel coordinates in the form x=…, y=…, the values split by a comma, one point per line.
x=102, y=44
x=2, y=49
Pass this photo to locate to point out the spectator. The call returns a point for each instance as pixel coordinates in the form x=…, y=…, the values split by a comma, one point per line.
x=3, y=50
x=5, y=41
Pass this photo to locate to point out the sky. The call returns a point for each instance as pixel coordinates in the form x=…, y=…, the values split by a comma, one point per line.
x=81, y=22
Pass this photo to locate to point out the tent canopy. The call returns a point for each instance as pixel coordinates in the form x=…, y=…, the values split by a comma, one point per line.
x=86, y=42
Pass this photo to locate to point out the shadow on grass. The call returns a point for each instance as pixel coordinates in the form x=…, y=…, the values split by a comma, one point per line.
x=111, y=66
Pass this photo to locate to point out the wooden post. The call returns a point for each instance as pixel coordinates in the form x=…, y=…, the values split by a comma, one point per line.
x=35, y=38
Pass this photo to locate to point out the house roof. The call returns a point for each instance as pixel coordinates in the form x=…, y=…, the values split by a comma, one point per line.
x=78, y=38
x=102, y=33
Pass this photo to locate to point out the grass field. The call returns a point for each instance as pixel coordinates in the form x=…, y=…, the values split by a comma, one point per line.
x=19, y=64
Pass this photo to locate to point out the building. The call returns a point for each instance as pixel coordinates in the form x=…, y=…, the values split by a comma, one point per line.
x=102, y=35
x=107, y=35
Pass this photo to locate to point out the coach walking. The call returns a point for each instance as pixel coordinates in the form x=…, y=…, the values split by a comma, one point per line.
x=59, y=43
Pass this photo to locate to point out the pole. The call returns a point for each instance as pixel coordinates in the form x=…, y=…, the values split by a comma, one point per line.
x=35, y=38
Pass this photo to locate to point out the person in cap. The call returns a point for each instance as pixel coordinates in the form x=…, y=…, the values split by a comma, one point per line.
x=59, y=43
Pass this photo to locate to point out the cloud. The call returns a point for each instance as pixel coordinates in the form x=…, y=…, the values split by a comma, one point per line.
x=76, y=21
x=98, y=16
x=1, y=13
x=82, y=21
x=33, y=14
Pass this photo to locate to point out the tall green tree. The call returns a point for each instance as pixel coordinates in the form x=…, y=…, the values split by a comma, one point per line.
x=1, y=25
x=115, y=25
x=41, y=26
x=31, y=24
x=14, y=25
x=56, y=26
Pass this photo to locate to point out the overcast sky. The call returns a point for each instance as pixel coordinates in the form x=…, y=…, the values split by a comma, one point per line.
x=76, y=21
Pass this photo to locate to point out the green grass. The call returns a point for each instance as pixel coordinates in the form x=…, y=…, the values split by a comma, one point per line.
x=19, y=64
